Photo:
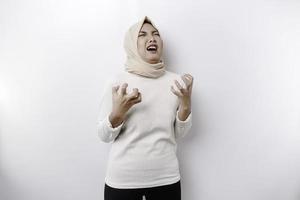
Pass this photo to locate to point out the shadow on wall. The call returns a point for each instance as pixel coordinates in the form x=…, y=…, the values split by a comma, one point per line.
x=8, y=190
x=298, y=195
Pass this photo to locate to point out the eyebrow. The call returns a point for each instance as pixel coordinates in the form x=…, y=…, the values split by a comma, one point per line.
x=146, y=32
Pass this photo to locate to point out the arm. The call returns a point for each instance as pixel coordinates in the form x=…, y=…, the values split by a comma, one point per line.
x=108, y=124
x=183, y=119
x=183, y=122
x=106, y=132
x=114, y=107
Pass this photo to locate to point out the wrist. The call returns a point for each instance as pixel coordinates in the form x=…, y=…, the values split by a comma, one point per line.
x=185, y=105
x=116, y=119
x=116, y=115
x=183, y=113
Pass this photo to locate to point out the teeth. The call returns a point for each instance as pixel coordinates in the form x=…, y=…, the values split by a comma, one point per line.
x=151, y=48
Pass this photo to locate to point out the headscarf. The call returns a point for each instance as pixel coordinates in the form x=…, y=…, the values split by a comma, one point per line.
x=134, y=63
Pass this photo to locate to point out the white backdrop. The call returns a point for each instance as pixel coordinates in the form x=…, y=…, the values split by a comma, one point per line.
x=244, y=56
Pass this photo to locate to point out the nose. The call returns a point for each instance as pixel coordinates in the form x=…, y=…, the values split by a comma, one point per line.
x=152, y=39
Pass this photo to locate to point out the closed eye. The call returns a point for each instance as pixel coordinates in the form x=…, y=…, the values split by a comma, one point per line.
x=144, y=33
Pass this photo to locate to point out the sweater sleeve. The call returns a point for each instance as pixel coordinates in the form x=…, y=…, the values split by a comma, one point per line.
x=182, y=127
x=105, y=130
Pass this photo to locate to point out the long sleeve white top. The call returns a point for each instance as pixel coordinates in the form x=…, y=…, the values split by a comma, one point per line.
x=143, y=148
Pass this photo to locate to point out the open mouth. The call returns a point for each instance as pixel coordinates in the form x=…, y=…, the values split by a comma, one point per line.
x=152, y=48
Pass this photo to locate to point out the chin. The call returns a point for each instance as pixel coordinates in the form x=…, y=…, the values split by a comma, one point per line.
x=153, y=61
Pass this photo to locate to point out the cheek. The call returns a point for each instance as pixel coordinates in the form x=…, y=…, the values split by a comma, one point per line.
x=161, y=46
x=160, y=42
x=140, y=45
x=141, y=50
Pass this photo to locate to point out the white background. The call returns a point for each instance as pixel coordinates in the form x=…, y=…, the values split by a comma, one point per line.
x=244, y=56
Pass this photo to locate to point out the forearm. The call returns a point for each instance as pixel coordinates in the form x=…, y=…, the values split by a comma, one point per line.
x=115, y=119
x=184, y=110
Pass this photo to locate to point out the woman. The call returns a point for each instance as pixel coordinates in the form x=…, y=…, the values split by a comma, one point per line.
x=143, y=125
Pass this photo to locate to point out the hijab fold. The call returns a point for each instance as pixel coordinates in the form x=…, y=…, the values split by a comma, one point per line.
x=134, y=63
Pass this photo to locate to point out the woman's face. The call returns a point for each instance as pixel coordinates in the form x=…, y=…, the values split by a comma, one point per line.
x=149, y=44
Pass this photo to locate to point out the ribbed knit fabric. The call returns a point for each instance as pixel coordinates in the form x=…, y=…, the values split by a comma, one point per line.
x=143, y=148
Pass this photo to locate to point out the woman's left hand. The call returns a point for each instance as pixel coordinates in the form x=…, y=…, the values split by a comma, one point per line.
x=184, y=94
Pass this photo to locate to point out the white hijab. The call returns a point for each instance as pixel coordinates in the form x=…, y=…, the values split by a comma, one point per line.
x=134, y=63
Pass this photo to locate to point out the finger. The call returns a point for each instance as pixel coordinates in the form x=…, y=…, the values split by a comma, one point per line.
x=134, y=94
x=178, y=85
x=180, y=88
x=186, y=80
x=192, y=80
x=123, y=88
x=190, y=77
x=115, y=89
x=137, y=100
x=179, y=94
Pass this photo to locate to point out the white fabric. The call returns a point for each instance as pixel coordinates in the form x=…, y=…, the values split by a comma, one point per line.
x=143, y=148
x=134, y=63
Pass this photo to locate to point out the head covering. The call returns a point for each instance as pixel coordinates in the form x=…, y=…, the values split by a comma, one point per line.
x=134, y=63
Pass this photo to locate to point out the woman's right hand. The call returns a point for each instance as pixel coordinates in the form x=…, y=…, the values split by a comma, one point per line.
x=122, y=102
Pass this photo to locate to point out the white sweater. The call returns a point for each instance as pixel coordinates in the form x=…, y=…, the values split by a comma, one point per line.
x=143, y=150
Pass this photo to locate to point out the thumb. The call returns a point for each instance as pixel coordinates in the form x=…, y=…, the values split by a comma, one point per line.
x=115, y=89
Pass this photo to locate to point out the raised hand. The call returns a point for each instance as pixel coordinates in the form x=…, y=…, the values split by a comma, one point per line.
x=184, y=95
x=122, y=102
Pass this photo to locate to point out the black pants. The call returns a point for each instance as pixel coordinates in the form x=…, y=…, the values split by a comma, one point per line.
x=171, y=191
